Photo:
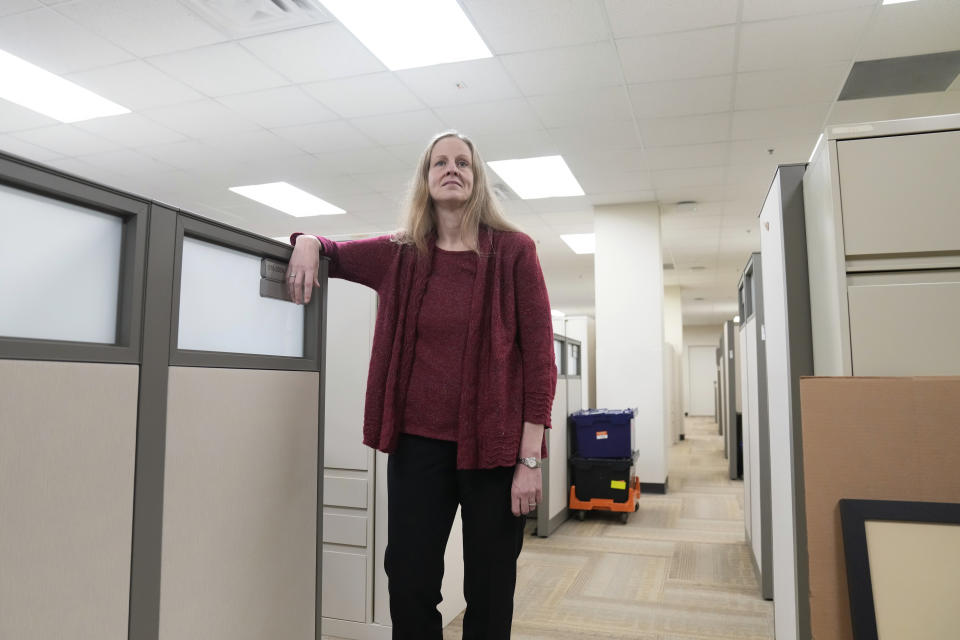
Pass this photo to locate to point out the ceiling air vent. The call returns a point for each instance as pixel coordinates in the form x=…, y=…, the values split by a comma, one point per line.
x=901, y=76
x=241, y=18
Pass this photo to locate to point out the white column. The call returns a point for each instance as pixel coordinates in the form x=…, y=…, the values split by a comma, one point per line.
x=628, y=271
x=673, y=318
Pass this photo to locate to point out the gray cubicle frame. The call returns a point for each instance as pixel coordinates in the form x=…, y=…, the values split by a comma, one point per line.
x=800, y=356
x=750, y=300
x=730, y=401
x=546, y=525
x=43, y=181
x=147, y=319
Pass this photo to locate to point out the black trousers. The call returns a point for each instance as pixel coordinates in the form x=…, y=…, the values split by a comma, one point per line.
x=424, y=488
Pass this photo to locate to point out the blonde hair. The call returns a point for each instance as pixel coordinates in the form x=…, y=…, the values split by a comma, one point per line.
x=481, y=207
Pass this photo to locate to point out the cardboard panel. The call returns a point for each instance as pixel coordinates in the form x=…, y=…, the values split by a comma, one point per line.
x=870, y=438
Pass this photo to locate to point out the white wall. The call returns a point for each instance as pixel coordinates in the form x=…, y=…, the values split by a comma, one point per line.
x=628, y=269
x=696, y=335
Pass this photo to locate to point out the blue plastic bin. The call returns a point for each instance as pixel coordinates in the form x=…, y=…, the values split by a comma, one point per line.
x=603, y=433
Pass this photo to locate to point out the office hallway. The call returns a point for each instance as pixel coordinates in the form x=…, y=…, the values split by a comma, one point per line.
x=678, y=570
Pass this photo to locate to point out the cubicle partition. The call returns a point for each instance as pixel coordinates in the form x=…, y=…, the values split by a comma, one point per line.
x=789, y=350
x=154, y=396
x=756, y=428
x=553, y=510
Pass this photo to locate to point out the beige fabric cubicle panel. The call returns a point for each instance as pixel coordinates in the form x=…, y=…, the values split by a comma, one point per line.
x=67, y=447
x=240, y=505
x=870, y=439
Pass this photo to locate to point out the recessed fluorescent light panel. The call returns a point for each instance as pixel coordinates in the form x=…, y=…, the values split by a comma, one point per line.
x=39, y=90
x=405, y=35
x=544, y=177
x=557, y=314
x=289, y=199
x=581, y=242
x=897, y=1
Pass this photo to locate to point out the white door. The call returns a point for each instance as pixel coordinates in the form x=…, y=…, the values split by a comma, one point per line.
x=702, y=366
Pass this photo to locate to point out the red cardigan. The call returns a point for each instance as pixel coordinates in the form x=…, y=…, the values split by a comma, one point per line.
x=509, y=371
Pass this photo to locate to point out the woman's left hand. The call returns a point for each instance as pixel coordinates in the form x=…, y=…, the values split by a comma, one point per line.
x=526, y=490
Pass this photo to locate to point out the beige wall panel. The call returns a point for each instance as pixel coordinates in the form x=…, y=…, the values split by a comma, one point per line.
x=900, y=193
x=905, y=324
x=67, y=449
x=240, y=505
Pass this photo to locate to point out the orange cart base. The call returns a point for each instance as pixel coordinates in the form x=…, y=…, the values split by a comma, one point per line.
x=605, y=504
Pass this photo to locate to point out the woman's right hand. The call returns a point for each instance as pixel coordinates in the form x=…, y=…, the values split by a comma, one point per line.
x=303, y=269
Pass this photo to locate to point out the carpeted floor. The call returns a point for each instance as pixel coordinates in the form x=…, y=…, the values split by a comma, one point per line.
x=678, y=570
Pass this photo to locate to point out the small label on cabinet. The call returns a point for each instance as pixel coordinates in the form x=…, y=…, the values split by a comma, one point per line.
x=273, y=270
x=601, y=435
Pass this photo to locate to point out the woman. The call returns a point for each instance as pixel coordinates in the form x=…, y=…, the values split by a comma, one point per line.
x=460, y=385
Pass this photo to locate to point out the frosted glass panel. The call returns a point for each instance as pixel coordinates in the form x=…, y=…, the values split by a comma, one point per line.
x=221, y=308
x=61, y=269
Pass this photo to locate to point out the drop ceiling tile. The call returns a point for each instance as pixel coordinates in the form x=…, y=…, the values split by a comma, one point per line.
x=785, y=87
x=564, y=70
x=387, y=181
x=200, y=119
x=134, y=25
x=771, y=123
x=596, y=136
x=644, y=17
x=801, y=41
x=710, y=193
x=490, y=117
x=620, y=160
x=259, y=145
x=786, y=149
x=367, y=95
x=321, y=137
x=75, y=167
x=674, y=98
x=675, y=178
x=219, y=70
x=400, y=128
x=508, y=26
x=126, y=162
x=18, y=147
x=754, y=10
x=51, y=41
x=607, y=104
x=624, y=197
x=18, y=6
x=67, y=140
x=689, y=54
x=757, y=176
x=613, y=182
x=374, y=161
x=13, y=117
x=136, y=85
x=575, y=209
x=688, y=156
x=703, y=129
x=281, y=107
x=518, y=144
x=460, y=83
x=913, y=29
x=130, y=130
x=312, y=54
x=190, y=155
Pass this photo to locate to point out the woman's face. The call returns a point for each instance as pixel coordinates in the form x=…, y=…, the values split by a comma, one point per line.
x=450, y=178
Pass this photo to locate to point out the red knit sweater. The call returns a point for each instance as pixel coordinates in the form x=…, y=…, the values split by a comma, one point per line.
x=509, y=373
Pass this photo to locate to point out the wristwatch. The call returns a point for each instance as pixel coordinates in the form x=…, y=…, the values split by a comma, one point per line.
x=531, y=462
